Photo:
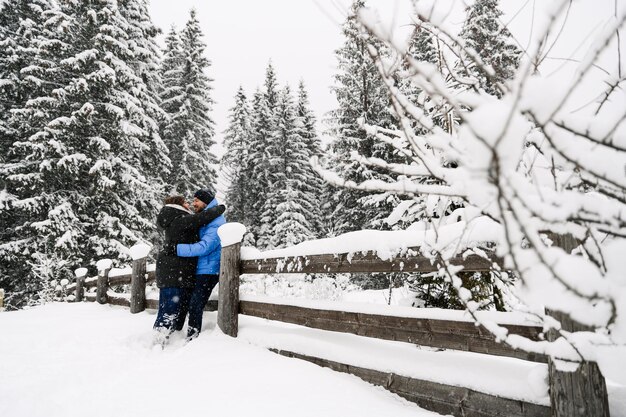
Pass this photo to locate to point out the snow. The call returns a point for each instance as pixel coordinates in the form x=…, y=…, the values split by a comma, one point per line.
x=104, y=264
x=116, y=272
x=76, y=351
x=80, y=272
x=231, y=233
x=86, y=348
x=140, y=251
x=505, y=377
x=387, y=244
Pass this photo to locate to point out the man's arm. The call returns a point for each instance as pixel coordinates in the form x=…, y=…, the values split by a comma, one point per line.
x=196, y=221
x=208, y=243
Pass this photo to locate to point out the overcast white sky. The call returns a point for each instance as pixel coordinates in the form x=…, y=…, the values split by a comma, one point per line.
x=300, y=38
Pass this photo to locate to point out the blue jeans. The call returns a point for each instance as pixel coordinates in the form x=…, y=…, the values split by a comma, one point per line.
x=173, y=306
x=199, y=297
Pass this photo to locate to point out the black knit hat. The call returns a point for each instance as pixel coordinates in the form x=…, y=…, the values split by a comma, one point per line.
x=206, y=195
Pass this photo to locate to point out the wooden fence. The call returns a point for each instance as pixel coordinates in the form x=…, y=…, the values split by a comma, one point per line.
x=580, y=393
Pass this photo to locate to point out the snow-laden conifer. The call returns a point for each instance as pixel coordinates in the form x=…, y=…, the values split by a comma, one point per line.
x=189, y=131
x=235, y=163
x=487, y=36
x=80, y=171
x=312, y=183
x=259, y=159
x=361, y=97
x=285, y=210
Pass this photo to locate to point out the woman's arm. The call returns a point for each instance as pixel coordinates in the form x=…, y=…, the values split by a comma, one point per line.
x=196, y=221
x=208, y=243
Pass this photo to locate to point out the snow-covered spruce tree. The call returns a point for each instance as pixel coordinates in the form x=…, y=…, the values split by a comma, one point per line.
x=434, y=290
x=312, y=185
x=142, y=41
x=270, y=87
x=26, y=55
x=171, y=69
x=21, y=24
x=284, y=212
x=262, y=125
x=484, y=34
x=263, y=130
x=189, y=132
x=80, y=169
x=236, y=161
x=536, y=188
x=144, y=62
x=361, y=94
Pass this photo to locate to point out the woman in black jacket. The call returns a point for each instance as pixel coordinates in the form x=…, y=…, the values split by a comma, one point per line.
x=175, y=276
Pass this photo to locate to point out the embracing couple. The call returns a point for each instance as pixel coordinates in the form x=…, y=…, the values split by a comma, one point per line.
x=188, y=266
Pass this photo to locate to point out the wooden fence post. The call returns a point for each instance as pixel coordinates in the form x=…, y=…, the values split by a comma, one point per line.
x=138, y=286
x=1, y=299
x=139, y=253
x=80, y=273
x=582, y=392
x=230, y=235
x=103, y=266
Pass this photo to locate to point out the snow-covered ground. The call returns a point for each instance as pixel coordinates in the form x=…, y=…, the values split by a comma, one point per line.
x=86, y=359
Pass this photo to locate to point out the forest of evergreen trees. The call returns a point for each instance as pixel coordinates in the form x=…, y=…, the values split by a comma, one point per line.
x=98, y=124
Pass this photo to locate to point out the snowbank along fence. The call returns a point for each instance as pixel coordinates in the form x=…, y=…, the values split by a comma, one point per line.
x=579, y=393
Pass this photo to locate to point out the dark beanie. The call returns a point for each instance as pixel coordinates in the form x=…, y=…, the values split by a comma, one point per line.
x=205, y=195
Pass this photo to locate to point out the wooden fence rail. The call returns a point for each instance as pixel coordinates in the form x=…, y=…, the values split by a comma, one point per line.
x=445, y=334
x=409, y=261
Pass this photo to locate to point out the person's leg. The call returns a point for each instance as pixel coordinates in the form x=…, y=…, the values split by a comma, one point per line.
x=183, y=308
x=199, y=298
x=168, y=309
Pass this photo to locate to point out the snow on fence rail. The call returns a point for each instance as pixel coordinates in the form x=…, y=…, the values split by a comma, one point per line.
x=427, y=331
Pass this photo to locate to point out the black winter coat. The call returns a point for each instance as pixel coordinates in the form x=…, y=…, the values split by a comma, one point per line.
x=180, y=227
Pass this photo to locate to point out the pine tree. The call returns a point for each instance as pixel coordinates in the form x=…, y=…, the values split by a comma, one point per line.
x=23, y=64
x=284, y=214
x=171, y=70
x=361, y=94
x=259, y=160
x=486, y=35
x=189, y=132
x=21, y=24
x=236, y=160
x=313, y=184
x=144, y=61
x=263, y=131
x=142, y=41
x=80, y=169
x=271, y=87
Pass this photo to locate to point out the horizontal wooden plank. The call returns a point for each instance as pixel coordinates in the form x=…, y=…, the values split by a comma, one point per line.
x=115, y=280
x=433, y=396
x=152, y=304
x=118, y=300
x=91, y=282
x=410, y=261
x=120, y=280
x=442, y=334
x=90, y=296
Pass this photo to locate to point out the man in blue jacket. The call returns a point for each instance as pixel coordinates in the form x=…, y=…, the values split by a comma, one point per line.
x=208, y=251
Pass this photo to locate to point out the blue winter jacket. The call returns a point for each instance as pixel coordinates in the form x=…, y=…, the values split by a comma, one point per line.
x=208, y=249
